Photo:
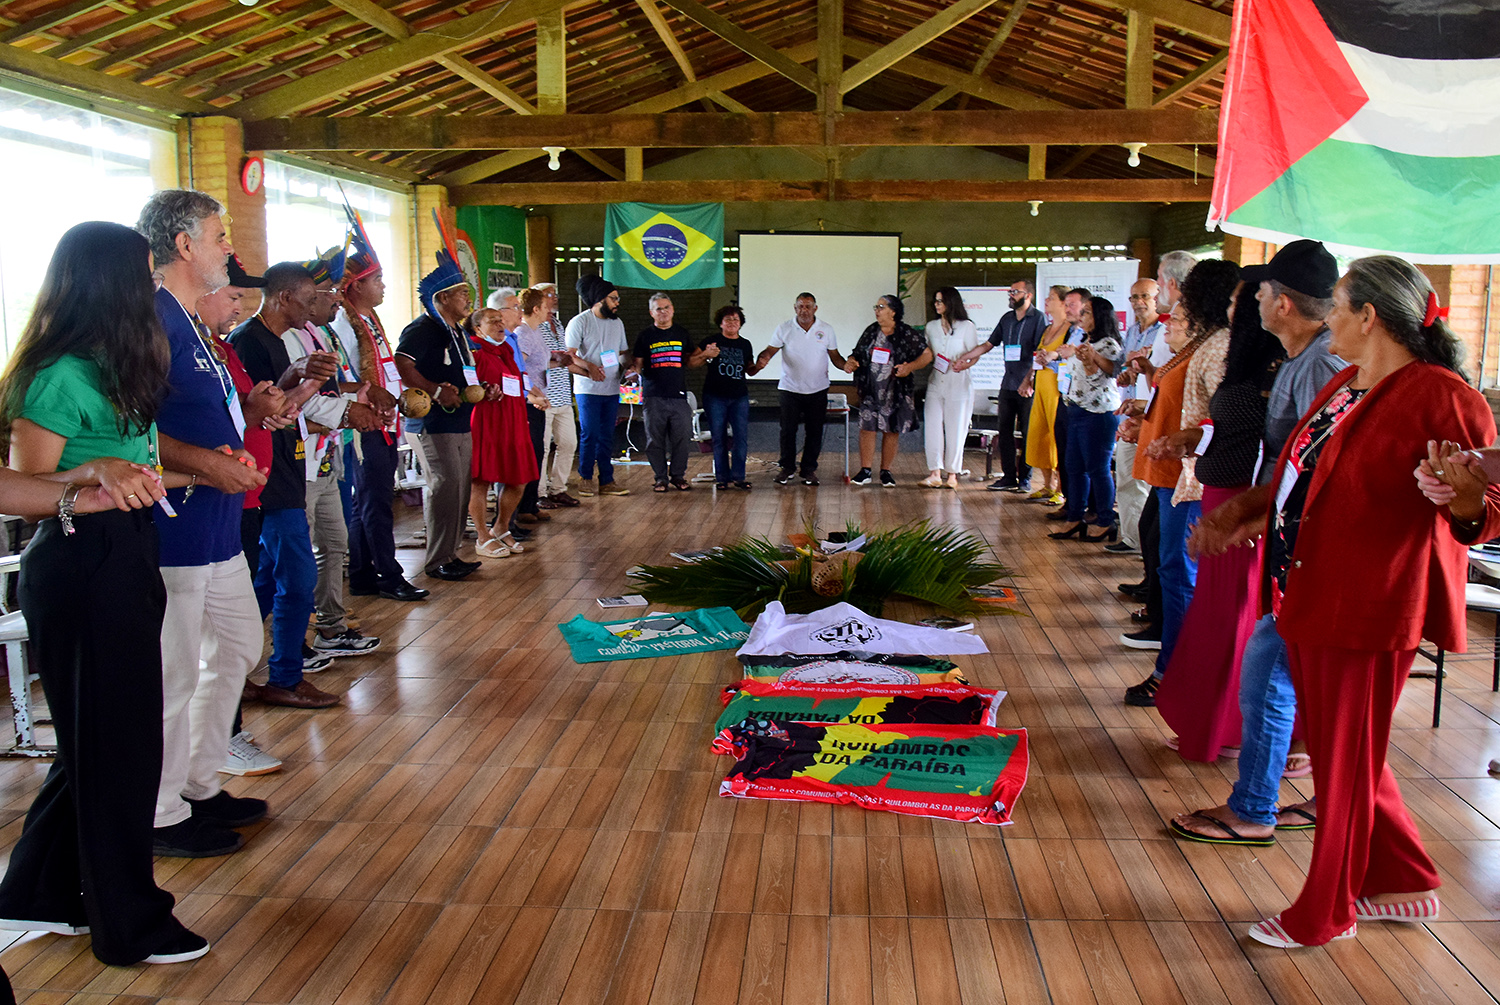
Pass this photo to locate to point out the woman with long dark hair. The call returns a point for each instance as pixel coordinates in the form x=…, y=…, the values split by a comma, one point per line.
x=83, y=387
x=1091, y=397
x=949, y=406
x=1359, y=569
x=1045, y=453
x=1200, y=692
x=883, y=361
x=1207, y=293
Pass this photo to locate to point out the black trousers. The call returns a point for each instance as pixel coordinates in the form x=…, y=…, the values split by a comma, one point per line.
x=1148, y=532
x=537, y=420
x=807, y=410
x=1014, y=411
x=372, y=534
x=94, y=603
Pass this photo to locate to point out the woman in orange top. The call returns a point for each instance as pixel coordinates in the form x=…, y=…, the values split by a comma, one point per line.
x=1043, y=446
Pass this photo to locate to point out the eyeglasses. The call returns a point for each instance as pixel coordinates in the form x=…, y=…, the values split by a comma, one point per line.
x=882, y=307
x=1141, y=296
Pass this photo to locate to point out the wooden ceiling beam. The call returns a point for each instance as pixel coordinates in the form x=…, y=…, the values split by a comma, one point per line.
x=746, y=42
x=756, y=129
x=1013, y=97
x=187, y=30
x=283, y=67
x=52, y=19
x=1060, y=190
x=1214, y=65
x=212, y=47
x=260, y=54
x=552, y=63
x=668, y=37
x=1205, y=22
x=92, y=82
x=992, y=49
x=119, y=27
x=1139, y=45
x=419, y=48
x=899, y=48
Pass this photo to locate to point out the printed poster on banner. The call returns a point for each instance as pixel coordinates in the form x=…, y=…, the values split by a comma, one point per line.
x=1110, y=280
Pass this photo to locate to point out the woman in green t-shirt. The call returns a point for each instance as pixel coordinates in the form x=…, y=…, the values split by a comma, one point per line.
x=80, y=398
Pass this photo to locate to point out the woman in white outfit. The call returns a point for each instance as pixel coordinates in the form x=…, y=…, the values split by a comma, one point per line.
x=950, y=395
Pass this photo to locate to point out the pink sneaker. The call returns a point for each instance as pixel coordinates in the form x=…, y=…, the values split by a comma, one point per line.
x=1271, y=933
x=1412, y=912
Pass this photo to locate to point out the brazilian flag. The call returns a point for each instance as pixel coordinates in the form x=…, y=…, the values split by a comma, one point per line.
x=664, y=247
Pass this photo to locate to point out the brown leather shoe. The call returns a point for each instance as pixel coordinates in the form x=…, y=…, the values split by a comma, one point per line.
x=251, y=691
x=541, y=517
x=304, y=695
x=566, y=499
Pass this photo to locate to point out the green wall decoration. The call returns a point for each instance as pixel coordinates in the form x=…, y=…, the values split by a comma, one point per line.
x=499, y=236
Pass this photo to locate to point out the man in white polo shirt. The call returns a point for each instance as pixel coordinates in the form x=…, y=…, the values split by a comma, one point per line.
x=810, y=345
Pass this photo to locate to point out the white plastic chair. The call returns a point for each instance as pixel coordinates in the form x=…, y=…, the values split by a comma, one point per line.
x=1477, y=597
x=13, y=636
x=838, y=404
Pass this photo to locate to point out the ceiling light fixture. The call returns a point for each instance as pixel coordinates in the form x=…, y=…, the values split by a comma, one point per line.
x=1036, y=205
x=552, y=152
x=1134, y=160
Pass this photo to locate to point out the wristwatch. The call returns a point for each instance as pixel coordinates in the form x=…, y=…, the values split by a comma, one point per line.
x=65, y=504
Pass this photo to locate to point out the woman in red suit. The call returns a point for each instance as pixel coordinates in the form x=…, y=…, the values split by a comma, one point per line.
x=1359, y=568
x=503, y=455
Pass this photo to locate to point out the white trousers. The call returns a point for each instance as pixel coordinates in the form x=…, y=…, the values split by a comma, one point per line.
x=946, y=427
x=210, y=640
x=1130, y=494
x=560, y=429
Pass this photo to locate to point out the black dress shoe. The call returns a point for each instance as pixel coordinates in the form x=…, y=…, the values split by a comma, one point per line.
x=405, y=591
x=452, y=572
x=1135, y=591
x=229, y=811
x=195, y=837
x=459, y=563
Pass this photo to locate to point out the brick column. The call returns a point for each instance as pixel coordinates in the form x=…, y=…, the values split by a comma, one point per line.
x=426, y=241
x=210, y=155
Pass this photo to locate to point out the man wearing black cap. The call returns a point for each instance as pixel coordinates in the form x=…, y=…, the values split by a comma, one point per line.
x=1295, y=295
x=602, y=355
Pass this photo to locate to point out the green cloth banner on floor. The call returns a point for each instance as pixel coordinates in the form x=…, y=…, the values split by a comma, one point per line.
x=653, y=247
x=968, y=773
x=954, y=704
x=654, y=635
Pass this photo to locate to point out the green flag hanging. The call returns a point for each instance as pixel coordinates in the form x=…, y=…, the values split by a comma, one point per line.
x=664, y=247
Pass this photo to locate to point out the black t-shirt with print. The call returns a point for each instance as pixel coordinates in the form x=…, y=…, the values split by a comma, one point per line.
x=724, y=375
x=663, y=353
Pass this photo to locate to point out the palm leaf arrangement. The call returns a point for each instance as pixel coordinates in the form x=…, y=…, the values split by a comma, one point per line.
x=917, y=561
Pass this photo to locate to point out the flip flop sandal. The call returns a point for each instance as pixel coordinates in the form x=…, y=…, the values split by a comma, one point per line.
x=1297, y=766
x=1233, y=837
x=1308, y=822
x=681, y=485
x=659, y=487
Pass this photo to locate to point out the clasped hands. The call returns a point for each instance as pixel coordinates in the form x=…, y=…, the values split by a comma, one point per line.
x=1457, y=478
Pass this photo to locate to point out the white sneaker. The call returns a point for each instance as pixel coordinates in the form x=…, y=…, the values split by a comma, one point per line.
x=245, y=758
x=54, y=927
x=349, y=642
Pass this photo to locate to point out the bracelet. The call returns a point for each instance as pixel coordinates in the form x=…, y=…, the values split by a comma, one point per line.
x=65, y=504
x=191, y=485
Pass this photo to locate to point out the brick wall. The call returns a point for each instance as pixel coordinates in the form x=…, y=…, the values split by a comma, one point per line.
x=210, y=156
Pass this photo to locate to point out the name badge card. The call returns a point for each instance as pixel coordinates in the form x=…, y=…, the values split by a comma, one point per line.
x=1064, y=382
x=236, y=412
x=609, y=358
x=1013, y=353
x=880, y=357
x=1150, y=397
x=510, y=386
x=941, y=363
x=392, y=375
x=526, y=381
x=471, y=375
x=1289, y=476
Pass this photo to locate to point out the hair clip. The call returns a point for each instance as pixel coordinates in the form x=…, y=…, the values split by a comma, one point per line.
x=1433, y=310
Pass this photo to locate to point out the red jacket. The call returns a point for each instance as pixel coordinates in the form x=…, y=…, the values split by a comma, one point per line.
x=1376, y=565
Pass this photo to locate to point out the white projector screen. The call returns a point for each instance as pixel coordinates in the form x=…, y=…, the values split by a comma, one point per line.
x=846, y=272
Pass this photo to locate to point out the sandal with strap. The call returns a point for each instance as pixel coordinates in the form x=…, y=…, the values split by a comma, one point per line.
x=1307, y=823
x=659, y=487
x=1270, y=933
x=1411, y=912
x=1233, y=836
x=508, y=542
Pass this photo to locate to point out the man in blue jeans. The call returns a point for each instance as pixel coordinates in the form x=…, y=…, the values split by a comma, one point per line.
x=602, y=355
x=288, y=572
x=1294, y=295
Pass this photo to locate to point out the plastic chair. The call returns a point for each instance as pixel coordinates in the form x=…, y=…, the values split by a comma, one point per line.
x=838, y=404
x=13, y=636
x=1477, y=597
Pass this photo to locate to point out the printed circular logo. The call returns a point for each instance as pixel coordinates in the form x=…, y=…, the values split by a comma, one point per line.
x=850, y=631
x=664, y=246
x=847, y=672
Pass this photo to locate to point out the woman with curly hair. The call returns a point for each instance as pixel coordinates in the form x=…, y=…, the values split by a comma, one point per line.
x=883, y=361
x=726, y=397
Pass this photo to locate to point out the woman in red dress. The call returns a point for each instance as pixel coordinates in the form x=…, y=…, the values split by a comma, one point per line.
x=503, y=456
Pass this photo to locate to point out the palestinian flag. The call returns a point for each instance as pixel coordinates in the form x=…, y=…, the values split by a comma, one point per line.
x=968, y=773
x=1369, y=125
x=956, y=704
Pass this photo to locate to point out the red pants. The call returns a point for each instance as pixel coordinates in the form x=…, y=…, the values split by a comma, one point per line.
x=1365, y=843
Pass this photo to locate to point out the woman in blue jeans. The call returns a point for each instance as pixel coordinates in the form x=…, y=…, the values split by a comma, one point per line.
x=726, y=396
x=1090, y=395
